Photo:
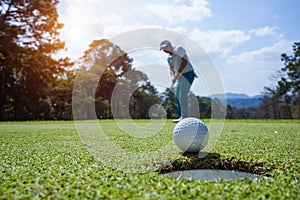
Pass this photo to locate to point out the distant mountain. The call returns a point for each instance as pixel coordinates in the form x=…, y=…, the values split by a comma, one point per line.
x=234, y=96
x=239, y=100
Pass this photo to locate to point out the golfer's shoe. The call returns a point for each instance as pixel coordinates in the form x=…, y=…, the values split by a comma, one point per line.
x=177, y=120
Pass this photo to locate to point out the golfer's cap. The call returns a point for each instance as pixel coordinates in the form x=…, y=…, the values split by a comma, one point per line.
x=164, y=43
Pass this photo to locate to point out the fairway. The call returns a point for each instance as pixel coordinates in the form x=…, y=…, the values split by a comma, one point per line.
x=47, y=159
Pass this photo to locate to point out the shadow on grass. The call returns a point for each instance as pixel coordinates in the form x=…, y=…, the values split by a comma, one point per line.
x=211, y=161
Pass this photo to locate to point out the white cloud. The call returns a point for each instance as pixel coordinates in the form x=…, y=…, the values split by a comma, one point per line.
x=178, y=13
x=264, y=31
x=95, y=19
x=219, y=41
x=263, y=55
x=243, y=69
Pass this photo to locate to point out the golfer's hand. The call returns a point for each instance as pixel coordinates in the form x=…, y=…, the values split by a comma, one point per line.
x=176, y=77
x=174, y=80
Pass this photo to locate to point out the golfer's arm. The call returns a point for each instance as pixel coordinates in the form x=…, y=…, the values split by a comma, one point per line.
x=182, y=66
x=172, y=72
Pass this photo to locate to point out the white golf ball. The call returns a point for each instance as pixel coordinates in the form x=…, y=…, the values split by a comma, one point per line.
x=190, y=135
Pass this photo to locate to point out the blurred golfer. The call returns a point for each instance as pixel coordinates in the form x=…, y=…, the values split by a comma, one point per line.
x=182, y=73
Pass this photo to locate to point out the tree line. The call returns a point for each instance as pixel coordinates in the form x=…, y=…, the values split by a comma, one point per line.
x=36, y=85
x=283, y=100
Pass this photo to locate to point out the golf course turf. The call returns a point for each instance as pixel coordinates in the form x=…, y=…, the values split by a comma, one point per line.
x=47, y=159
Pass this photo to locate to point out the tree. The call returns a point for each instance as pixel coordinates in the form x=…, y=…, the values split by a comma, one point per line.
x=28, y=38
x=242, y=113
x=60, y=96
x=170, y=103
x=284, y=100
x=205, y=107
x=142, y=100
x=109, y=62
x=108, y=67
x=290, y=84
x=102, y=65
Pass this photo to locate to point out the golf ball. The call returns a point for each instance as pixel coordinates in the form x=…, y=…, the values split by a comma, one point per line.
x=190, y=135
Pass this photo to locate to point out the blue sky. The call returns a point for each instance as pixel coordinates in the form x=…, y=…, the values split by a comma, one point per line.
x=244, y=39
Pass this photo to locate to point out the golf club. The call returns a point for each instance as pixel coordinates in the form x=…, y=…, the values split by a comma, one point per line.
x=164, y=98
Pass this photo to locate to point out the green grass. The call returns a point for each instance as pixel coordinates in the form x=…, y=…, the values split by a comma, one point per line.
x=47, y=159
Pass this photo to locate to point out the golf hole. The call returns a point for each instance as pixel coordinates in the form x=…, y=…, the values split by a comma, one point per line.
x=212, y=168
x=211, y=175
